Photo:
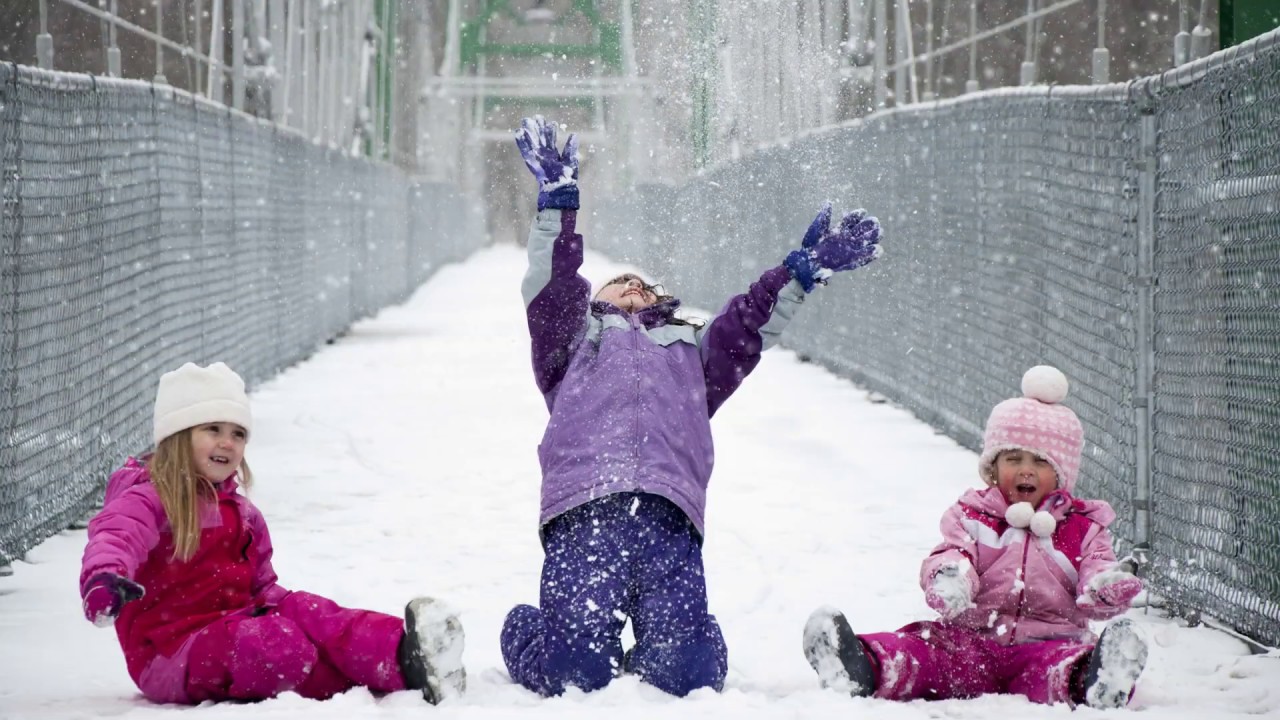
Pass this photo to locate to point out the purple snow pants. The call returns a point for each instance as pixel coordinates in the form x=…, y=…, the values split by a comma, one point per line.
x=936, y=661
x=626, y=555
x=307, y=644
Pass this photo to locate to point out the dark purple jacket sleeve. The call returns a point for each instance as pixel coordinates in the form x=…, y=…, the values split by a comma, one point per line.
x=556, y=298
x=748, y=325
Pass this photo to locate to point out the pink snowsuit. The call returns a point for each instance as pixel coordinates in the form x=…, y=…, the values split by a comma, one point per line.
x=218, y=627
x=1025, y=635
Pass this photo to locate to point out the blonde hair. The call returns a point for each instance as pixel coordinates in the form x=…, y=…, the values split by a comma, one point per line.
x=181, y=490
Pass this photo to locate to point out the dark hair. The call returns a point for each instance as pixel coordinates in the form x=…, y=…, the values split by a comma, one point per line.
x=660, y=296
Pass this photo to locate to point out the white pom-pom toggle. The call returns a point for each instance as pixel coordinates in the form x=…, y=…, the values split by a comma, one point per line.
x=1019, y=514
x=1043, y=524
x=1045, y=383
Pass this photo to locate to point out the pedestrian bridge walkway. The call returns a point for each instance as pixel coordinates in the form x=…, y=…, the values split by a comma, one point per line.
x=401, y=460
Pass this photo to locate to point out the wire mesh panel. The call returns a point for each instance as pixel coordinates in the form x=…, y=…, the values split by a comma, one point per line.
x=1216, y=420
x=1014, y=224
x=142, y=228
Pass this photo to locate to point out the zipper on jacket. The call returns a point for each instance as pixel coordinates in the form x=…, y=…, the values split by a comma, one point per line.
x=636, y=358
x=1022, y=582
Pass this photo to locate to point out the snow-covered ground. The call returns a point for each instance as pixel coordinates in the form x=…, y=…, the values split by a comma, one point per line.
x=401, y=461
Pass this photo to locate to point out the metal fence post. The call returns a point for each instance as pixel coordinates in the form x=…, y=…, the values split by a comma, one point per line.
x=113, y=50
x=213, y=88
x=1028, y=72
x=1201, y=35
x=1101, y=56
x=237, y=54
x=1148, y=162
x=44, y=41
x=160, y=79
x=971, y=85
x=882, y=35
x=1181, y=41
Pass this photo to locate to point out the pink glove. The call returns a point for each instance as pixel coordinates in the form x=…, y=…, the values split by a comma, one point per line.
x=950, y=592
x=1110, y=589
x=106, y=594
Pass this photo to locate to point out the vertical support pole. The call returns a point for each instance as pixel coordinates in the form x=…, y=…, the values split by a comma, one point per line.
x=1101, y=56
x=1145, y=331
x=279, y=57
x=900, y=53
x=213, y=90
x=292, y=40
x=702, y=32
x=1028, y=74
x=1201, y=35
x=160, y=78
x=113, y=50
x=971, y=85
x=881, y=64
x=307, y=65
x=1182, y=41
x=928, y=51
x=631, y=157
x=324, y=80
x=237, y=54
x=44, y=41
x=199, y=13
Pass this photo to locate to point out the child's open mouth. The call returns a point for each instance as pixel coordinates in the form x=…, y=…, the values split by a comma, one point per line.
x=1025, y=488
x=220, y=459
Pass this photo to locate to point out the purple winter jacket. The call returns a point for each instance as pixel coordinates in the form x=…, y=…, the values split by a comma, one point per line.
x=631, y=395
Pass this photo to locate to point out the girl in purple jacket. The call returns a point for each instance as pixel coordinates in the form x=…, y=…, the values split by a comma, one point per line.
x=1022, y=568
x=180, y=562
x=627, y=451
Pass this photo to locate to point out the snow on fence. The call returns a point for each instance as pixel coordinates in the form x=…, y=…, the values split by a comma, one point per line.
x=142, y=227
x=1128, y=234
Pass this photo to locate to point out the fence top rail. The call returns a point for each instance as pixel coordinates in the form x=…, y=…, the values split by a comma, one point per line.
x=1109, y=93
x=72, y=81
x=1197, y=70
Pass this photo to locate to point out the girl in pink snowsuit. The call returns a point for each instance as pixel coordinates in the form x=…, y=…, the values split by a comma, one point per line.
x=1022, y=568
x=180, y=562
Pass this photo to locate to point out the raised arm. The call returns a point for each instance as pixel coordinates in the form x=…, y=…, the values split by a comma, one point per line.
x=752, y=322
x=556, y=298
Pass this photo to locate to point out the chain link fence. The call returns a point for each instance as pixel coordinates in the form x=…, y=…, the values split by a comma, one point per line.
x=142, y=228
x=1128, y=234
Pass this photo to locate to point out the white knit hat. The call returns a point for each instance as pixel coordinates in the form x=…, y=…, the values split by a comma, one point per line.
x=194, y=395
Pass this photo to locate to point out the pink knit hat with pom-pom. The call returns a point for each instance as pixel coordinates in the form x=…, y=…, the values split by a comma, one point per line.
x=1036, y=422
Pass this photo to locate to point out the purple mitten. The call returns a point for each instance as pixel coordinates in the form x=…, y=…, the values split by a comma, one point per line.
x=555, y=171
x=853, y=244
x=950, y=592
x=104, y=596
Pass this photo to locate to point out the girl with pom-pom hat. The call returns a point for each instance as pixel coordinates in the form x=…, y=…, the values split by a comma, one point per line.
x=1022, y=569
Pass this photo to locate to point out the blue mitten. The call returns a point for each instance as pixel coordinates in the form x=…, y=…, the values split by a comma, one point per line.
x=824, y=251
x=555, y=171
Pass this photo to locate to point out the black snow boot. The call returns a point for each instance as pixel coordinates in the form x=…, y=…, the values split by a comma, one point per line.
x=1114, y=666
x=837, y=655
x=430, y=652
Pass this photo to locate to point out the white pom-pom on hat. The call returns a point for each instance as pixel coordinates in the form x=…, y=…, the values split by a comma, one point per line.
x=1045, y=383
x=1019, y=514
x=1043, y=524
